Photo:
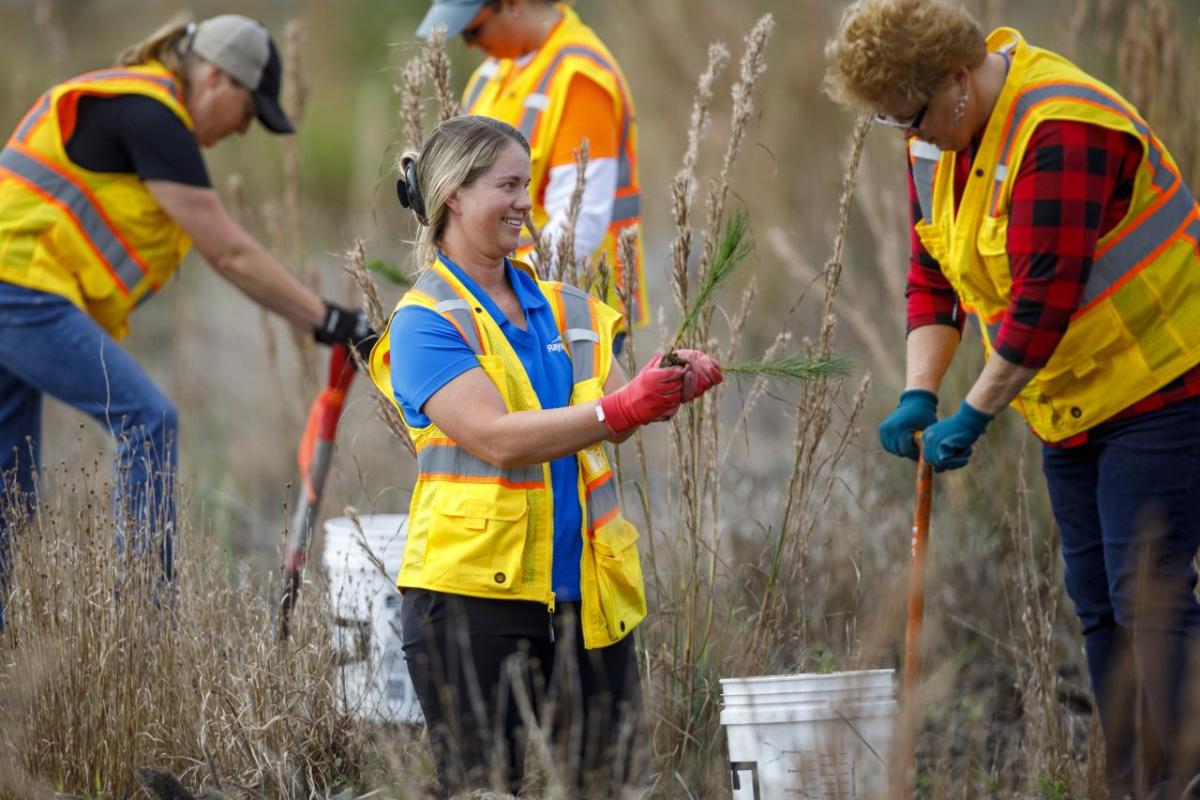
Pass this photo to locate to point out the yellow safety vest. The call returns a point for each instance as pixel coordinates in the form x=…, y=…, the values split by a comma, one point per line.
x=486, y=531
x=1137, y=326
x=99, y=239
x=533, y=101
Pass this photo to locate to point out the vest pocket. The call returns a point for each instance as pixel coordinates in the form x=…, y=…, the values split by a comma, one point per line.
x=989, y=288
x=1089, y=340
x=477, y=536
x=619, y=575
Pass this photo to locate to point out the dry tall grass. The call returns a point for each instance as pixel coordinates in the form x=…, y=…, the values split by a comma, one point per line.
x=104, y=669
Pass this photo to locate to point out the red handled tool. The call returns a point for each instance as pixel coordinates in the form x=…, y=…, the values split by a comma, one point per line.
x=916, y=586
x=916, y=611
x=314, y=456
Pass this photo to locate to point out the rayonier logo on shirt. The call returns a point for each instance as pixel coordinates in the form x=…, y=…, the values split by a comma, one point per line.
x=556, y=346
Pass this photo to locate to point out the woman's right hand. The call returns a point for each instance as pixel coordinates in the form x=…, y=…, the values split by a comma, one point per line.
x=654, y=393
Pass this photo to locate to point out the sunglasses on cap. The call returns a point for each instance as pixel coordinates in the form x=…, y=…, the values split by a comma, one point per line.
x=471, y=34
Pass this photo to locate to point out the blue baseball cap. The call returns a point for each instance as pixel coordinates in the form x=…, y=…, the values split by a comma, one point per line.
x=453, y=15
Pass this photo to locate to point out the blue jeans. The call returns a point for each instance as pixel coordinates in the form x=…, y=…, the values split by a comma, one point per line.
x=1128, y=507
x=49, y=346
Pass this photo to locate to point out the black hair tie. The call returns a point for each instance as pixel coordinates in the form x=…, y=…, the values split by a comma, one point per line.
x=409, y=193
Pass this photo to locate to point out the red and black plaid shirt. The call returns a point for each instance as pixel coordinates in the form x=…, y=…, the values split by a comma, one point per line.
x=1074, y=185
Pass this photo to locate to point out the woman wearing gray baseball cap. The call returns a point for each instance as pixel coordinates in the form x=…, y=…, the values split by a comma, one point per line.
x=103, y=190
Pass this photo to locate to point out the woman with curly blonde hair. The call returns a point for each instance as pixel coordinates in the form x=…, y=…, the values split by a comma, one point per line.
x=1044, y=204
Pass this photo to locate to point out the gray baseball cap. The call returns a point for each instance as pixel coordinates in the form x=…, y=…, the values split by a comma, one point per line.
x=453, y=15
x=243, y=48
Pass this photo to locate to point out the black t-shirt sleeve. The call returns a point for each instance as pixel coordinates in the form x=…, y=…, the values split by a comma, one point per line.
x=136, y=133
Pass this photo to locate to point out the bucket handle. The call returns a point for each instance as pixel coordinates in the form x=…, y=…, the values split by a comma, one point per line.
x=735, y=779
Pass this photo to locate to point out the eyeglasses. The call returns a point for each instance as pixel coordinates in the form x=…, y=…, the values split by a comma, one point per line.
x=471, y=35
x=905, y=124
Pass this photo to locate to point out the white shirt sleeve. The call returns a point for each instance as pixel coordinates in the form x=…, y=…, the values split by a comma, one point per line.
x=595, y=213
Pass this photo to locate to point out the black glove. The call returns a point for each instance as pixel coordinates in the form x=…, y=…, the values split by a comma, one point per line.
x=346, y=326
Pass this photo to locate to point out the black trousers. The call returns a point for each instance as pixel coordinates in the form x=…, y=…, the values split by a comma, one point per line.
x=483, y=667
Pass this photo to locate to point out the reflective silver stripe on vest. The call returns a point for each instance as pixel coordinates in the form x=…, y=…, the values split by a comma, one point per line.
x=451, y=305
x=925, y=159
x=627, y=209
x=580, y=338
x=120, y=261
x=602, y=501
x=486, y=71
x=1025, y=104
x=533, y=113
x=34, y=117
x=116, y=74
x=450, y=459
x=1140, y=242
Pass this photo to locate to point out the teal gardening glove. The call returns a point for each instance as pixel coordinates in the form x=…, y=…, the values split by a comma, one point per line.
x=948, y=443
x=916, y=411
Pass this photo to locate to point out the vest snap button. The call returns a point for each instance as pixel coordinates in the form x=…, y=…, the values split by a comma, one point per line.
x=478, y=310
x=978, y=173
x=1076, y=412
x=499, y=577
x=622, y=627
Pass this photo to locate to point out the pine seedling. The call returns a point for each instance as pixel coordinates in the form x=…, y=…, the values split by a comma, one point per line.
x=793, y=367
x=733, y=248
x=735, y=245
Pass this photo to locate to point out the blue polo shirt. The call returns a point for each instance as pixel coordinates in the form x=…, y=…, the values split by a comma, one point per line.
x=428, y=352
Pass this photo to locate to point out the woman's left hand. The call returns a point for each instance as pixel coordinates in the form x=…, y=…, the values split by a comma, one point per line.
x=701, y=374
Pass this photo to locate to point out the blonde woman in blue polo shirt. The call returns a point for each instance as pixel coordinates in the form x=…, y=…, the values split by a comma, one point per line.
x=519, y=565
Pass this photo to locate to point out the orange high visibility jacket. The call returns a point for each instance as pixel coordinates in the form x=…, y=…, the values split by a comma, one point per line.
x=1138, y=323
x=98, y=239
x=532, y=98
x=486, y=531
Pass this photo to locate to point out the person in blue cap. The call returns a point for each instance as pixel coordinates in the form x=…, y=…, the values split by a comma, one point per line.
x=548, y=75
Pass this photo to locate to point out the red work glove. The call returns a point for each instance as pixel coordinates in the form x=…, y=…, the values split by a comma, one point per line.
x=654, y=393
x=702, y=373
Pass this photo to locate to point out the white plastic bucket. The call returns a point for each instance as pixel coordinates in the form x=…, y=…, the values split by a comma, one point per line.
x=372, y=680
x=824, y=737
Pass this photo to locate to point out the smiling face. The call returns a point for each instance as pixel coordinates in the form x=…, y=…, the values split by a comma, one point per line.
x=219, y=105
x=488, y=215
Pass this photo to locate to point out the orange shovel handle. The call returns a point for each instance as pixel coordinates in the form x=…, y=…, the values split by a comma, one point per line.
x=916, y=587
